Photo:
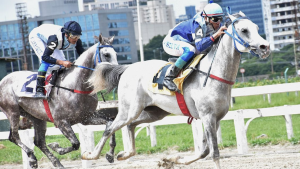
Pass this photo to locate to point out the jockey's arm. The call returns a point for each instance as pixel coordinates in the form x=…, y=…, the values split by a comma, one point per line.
x=51, y=46
x=204, y=43
x=79, y=48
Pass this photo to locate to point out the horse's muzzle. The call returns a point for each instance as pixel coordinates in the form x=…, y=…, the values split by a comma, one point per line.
x=262, y=50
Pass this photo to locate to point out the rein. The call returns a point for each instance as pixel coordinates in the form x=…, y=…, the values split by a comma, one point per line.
x=97, y=56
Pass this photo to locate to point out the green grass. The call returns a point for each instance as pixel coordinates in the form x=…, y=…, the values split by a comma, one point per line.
x=179, y=137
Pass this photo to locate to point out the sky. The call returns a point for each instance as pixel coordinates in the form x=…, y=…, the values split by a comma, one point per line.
x=8, y=11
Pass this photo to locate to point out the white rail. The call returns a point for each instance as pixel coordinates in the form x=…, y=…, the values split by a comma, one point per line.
x=86, y=134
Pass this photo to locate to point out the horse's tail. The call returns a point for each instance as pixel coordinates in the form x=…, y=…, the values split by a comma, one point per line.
x=106, y=76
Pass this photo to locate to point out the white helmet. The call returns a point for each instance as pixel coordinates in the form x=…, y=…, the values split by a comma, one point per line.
x=212, y=9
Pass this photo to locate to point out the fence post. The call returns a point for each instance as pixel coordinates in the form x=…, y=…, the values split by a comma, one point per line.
x=219, y=135
x=269, y=98
x=152, y=132
x=289, y=126
x=28, y=141
x=197, y=135
x=241, y=137
x=87, y=143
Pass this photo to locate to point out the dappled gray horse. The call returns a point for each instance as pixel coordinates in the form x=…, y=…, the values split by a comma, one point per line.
x=67, y=108
x=210, y=104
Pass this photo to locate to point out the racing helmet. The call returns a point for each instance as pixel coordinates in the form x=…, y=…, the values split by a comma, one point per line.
x=72, y=27
x=212, y=10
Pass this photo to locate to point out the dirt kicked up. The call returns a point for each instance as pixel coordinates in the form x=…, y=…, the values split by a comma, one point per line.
x=266, y=157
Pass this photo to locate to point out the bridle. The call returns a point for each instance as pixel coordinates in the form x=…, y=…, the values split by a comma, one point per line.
x=236, y=37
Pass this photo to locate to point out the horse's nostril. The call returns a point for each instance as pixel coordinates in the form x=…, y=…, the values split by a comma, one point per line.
x=263, y=47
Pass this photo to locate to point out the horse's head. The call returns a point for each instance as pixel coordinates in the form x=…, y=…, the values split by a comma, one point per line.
x=106, y=51
x=245, y=30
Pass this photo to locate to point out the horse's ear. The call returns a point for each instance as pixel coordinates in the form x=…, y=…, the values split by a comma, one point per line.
x=101, y=39
x=232, y=17
x=111, y=40
x=242, y=14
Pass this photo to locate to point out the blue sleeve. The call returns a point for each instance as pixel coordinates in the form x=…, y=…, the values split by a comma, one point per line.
x=203, y=44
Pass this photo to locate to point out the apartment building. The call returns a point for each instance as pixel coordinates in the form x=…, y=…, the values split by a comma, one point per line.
x=284, y=16
x=156, y=17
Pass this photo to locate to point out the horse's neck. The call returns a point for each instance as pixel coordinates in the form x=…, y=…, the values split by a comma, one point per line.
x=78, y=76
x=226, y=62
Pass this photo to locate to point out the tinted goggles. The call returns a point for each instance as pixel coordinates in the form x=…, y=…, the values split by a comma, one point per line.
x=216, y=19
x=74, y=36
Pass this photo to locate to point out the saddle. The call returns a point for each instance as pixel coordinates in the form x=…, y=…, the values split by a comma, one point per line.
x=27, y=89
x=157, y=82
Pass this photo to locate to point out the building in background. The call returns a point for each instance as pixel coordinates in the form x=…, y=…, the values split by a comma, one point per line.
x=156, y=17
x=181, y=18
x=56, y=7
x=284, y=17
x=190, y=11
x=115, y=22
x=251, y=8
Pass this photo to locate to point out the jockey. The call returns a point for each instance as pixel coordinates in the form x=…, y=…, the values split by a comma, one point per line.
x=48, y=41
x=195, y=35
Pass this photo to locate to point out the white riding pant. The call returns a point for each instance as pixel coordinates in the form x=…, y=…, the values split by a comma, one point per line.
x=175, y=47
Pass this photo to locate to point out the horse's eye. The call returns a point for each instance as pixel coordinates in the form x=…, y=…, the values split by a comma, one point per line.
x=244, y=30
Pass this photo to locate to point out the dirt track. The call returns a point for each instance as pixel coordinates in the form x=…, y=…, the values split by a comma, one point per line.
x=268, y=157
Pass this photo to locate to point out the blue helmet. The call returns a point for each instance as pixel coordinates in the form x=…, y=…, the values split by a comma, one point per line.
x=212, y=9
x=72, y=27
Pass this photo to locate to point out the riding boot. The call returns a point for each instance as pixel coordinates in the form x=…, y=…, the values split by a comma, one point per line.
x=176, y=68
x=40, y=83
x=168, y=81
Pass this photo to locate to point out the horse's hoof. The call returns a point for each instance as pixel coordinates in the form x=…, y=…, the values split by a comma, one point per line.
x=33, y=165
x=120, y=155
x=109, y=158
x=88, y=156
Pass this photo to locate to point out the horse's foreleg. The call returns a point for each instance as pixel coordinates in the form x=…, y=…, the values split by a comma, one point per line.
x=210, y=128
x=40, y=128
x=68, y=132
x=189, y=159
x=121, y=120
x=123, y=155
x=15, y=138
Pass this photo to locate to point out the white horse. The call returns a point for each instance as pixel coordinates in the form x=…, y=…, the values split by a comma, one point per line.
x=210, y=104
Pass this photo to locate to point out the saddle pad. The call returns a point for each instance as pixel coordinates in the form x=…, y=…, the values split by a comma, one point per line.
x=28, y=86
x=153, y=87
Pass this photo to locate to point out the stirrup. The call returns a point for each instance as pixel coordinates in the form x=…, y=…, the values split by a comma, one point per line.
x=39, y=95
x=167, y=86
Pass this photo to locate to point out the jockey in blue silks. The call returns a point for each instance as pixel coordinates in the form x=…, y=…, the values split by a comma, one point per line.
x=48, y=41
x=193, y=36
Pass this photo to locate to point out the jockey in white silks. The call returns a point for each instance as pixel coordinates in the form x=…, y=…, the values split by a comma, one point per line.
x=195, y=35
x=48, y=41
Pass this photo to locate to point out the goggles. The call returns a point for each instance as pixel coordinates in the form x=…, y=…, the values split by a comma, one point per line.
x=216, y=19
x=74, y=36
